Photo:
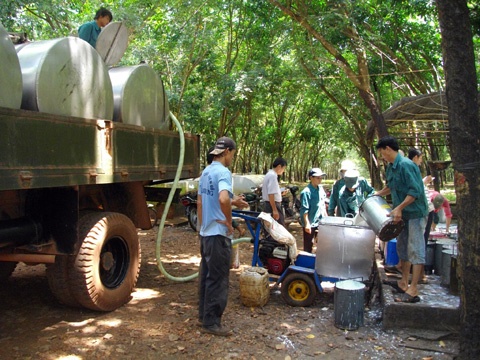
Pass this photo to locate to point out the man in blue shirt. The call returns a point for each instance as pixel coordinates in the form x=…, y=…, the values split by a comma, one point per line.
x=404, y=183
x=312, y=209
x=90, y=31
x=214, y=204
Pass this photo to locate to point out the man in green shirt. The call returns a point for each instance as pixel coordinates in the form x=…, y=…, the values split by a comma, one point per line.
x=90, y=30
x=313, y=208
x=404, y=183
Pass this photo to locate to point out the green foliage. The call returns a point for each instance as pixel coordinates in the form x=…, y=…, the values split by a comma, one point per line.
x=243, y=69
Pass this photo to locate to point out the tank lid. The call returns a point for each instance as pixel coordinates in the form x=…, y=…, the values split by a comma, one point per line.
x=112, y=42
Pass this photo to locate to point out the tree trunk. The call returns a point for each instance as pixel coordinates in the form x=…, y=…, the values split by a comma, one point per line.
x=461, y=91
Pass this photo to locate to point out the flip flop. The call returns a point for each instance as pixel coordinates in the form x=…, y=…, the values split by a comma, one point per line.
x=407, y=298
x=394, y=285
x=392, y=270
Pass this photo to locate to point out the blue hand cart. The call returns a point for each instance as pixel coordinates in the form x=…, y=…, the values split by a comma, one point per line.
x=302, y=279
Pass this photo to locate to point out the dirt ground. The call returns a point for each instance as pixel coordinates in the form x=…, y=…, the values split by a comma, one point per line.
x=160, y=320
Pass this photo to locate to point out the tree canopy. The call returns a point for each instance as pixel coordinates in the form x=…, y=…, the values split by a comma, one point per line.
x=308, y=81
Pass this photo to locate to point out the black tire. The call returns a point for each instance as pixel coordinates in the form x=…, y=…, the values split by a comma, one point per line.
x=6, y=270
x=57, y=275
x=153, y=216
x=298, y=289
x=193, y=217
x=105, y=269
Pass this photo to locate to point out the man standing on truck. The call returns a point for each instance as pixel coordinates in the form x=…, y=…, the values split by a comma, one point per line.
x=214, y=203
x=90, y=30
x=404, y=182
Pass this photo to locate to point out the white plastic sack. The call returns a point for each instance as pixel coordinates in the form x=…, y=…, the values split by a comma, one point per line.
x=279, y=233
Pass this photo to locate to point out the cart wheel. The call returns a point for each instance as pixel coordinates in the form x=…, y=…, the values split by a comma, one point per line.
x=298, y=290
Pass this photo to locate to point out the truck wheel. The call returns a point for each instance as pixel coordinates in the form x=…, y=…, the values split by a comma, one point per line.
x=192, y=217
x=57, y=275
x=298, y=289
x=6, y=269
x=105, y=269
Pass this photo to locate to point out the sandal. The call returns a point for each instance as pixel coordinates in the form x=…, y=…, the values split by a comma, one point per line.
x=394, y=285
x=407, y=298
x=392, y=270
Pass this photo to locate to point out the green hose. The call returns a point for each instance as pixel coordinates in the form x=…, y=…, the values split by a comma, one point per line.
x=167, y=207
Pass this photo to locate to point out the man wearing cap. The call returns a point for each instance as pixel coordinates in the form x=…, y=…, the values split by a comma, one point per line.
x=440, y=202
x=333, y=203
x=353, y=193
x=271, y=193
x=404, y=182
x=214, y=204
x=312, y=208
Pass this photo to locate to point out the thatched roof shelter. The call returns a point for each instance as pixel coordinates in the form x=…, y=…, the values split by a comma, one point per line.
x=419, y=117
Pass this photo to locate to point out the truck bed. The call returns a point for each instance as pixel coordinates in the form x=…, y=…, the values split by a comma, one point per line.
x=39, y=150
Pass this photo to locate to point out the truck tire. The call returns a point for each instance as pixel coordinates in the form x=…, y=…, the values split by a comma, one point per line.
x=298, y=289
x=105, y=269
x=6, y=269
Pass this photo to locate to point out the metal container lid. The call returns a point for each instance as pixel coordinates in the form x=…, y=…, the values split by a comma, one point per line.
x=139, y=97
x=10, y=73
x=112, y=42
x=65, y=76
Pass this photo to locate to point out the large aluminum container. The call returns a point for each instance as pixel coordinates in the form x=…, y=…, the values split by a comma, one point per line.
x=375, y=211
x=344, y=251
x=139, y=97
x=10, y=73
x=65, y=76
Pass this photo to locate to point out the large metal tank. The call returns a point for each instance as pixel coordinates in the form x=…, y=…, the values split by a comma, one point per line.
x=139, y=97
x=344, y=251
x=10, y=73
x=65, y=76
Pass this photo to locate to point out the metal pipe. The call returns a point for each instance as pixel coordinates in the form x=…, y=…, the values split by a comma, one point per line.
x=29, y=258
x=20, y=231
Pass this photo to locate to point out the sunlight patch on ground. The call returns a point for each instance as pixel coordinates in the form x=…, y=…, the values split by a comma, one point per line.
x=69, y=357
x=144, y=294
x=110, y=323
x=175, y=258
x=80, y=323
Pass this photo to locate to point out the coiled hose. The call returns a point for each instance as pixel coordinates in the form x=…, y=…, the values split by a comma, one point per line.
x=167, y=206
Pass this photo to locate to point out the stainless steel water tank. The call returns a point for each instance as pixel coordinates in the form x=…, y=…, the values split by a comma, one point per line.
x=65, y=76
x=10, y=73
x=344, y=251
x=139, y=97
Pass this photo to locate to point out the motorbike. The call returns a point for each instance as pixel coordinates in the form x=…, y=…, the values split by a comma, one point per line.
x=291, y=204
x=254, y=200
x=189, y=200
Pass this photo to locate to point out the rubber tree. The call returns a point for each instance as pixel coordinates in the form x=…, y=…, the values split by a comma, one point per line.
x=464, y=123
